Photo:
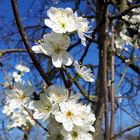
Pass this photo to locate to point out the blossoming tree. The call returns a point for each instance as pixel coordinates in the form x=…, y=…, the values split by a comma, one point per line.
x=53, y=89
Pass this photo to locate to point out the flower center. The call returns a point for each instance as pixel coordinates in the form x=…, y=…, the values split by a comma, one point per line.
x=45, y=109
x=58, y=49
x=62, y=25
x=69, y=114
x=59, y=137
x=75, y=134
x=22, y=96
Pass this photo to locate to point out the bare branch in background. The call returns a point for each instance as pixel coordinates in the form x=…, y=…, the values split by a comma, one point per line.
x=25, y=40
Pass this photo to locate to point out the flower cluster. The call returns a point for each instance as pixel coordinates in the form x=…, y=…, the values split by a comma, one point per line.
x=67, y=118
x=21, y=70
x=123, y=41
x=16, y=100
x=71, y=119
x=55, y=44
x=65, y=21
x=131, y=30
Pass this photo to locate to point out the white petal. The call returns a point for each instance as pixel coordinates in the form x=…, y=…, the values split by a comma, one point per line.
x=56, y=60
x=49, y=23
x=88, y=78
x=56, y=28
x=37, y=49
x=78, y=122
x=83, y=42
x=66, y=58
x=37, y=115
x=51, y=13
x=68, y=125
x=69, y=10
x=46, y=49
x=14, y=104
x=91, y=128
x=81, y=36
x=59, y=117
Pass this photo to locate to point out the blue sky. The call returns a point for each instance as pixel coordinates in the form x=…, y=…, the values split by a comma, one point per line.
x=92, y=54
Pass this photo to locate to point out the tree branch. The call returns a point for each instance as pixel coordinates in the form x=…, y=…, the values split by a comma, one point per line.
x=131, y=64
x=123, y=13
x=126, y=130
x=112, y=73
x=16, y=50
x=26, y=43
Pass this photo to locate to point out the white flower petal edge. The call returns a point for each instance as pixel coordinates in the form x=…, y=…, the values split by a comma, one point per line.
x=84, y=72
x=22, y=68
x=37, y=48
x=56, y=60
x=57, y=93
x=61, y=20
x=69, y=115
x=66, y=58
x=55, y=45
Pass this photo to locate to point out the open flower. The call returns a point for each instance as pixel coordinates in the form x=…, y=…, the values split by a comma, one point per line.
x=17, y=77
x=82, y=28
x=43, y=107
x=76, y=134
x=55, y=45
x=61, y=20
x=84, y=72
x=20, y=118
x=22, y=68
x=69, y=115
x=7, y=110
x=54, y=128
x=19, y=96
x=57, y=93
x=88, y=117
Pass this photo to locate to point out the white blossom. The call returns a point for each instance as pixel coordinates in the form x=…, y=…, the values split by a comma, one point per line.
x=7, y=110
x=61, y=20
x=22, y=68
x=17, y=77
x=54, y=128
x=57, y=93
x=20, y=118
x=69, y=115
x=84, y=72
x=76, y=134
x=134, y=17
x=88, y=118
x=42, y=108
x=82, y=28
x=55, y=45
x=19, y=95
x=119, y=98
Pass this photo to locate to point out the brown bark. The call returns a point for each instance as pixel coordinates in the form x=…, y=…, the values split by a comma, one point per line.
x=26, y=43
x=101, y=89
x=112, y=86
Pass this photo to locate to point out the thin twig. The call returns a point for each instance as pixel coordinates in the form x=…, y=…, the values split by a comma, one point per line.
x=126, y=130
x=45, y=129
x=122, y=77
x=131, y=115
x=131, y=64
x=16, y=50
x=123, y=13
x=7, y=78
